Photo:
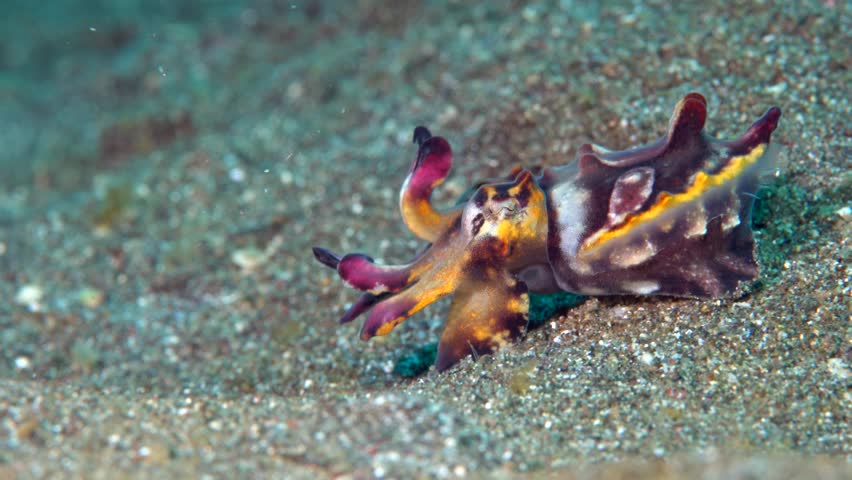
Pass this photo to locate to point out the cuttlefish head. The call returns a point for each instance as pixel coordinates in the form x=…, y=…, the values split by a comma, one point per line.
x=475, y=250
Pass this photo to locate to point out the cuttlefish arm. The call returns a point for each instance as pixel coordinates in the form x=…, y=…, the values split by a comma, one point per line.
x=430, y=168
x=496, y=233
x=490, y=309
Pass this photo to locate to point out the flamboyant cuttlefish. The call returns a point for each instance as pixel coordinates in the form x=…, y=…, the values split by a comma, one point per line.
x=669, y=218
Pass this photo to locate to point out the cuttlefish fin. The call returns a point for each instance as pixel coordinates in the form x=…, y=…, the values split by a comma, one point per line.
x=488, y=312
x=430, y=168
x=686, y=123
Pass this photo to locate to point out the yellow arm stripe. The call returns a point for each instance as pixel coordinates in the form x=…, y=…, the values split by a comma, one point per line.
x=665, y=202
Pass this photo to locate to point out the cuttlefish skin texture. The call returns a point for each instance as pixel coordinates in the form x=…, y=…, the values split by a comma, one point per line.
x=669, y=218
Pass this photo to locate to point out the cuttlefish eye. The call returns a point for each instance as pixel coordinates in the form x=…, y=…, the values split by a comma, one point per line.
x=474, y=226
x=485, y=212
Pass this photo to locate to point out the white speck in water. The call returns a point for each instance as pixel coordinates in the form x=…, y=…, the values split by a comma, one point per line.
x=237, y=174
x=295, y=90
x=240, y=326
x=22, y=363
x=93, y=29
x=161, y=70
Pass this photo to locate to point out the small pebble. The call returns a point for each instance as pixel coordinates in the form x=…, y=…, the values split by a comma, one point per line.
x=248, y=258
x=91, y=297
x=22, y=363
x=295, y=90
x=838, y=368
x=29, y=295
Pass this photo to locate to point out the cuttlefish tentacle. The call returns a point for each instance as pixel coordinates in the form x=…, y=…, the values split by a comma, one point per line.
x=474, y=257
x=364, y=303
x=395, y=292
x=434, y=275
x=430, y=168
x=360, y=271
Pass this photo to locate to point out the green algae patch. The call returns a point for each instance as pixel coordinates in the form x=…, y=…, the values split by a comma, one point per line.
x=417, y=362
x=791, y=217
x=544, y=306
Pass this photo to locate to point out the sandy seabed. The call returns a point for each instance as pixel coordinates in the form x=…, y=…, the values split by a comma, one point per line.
x=166, y=170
